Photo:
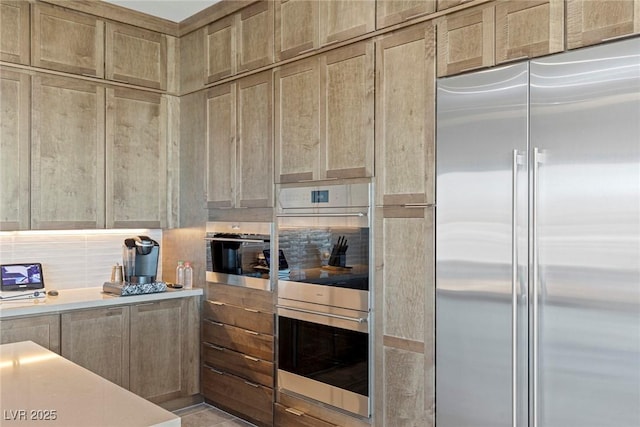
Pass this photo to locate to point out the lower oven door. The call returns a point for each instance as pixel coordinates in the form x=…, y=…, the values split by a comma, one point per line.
x=324, y=355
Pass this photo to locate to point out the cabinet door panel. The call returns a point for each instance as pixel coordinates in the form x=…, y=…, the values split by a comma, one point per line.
x=391, y=12
x=238, y=339
x=67, y=167
x=98, y=340
x=221, y=146
x=245, y=318
x=192, y=61
x=348, y=109
x=296, y=27
x=136, y=159
x=14, y=31
x=255, y=141
x=220, y=48
x=66, y=41
x=345, y=19
x=15, y=99
x=298, y=121
x=136, y=56
x=253, y=369
x=405, y=117
x=527, y=29
x=241, y=297
x=42, y=330
x=590, y=22
x=255, y=36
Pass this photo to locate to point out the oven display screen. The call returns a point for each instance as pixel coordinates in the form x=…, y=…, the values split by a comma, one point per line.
x=331, y=355
x=320, y=196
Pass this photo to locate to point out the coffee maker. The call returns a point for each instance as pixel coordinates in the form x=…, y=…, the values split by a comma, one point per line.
x=140, y=259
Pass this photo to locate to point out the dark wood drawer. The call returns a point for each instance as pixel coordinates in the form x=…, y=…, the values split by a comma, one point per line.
x=241, y=297
x=242, y=365
x=237, y=339
x=245, y=318
x=251, y=401
x=291, y=417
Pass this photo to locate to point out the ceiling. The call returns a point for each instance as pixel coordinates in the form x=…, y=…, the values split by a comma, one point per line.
x=173, y=10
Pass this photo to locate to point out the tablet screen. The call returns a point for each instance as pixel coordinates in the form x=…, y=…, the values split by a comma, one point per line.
x=21, y=276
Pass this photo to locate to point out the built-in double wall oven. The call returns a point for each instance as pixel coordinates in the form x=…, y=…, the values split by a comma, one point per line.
x=323, y=312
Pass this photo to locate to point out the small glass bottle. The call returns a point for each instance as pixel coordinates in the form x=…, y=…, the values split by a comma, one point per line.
x=188, y=276
x=180, y=273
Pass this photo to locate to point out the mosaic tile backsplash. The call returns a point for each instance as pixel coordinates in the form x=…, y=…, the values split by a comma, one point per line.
x=71, y=259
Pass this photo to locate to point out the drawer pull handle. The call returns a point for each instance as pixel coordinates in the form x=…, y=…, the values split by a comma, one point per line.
x=294, y=412
x=252, y=384
x=251, y=310
x=251, y=332
x=214, y=323
x=253, y=359
x=215, y=347
x=143, y=304
x=214, y=370
x=216, y=302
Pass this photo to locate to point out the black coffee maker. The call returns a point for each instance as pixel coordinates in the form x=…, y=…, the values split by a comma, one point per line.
x=140, y=259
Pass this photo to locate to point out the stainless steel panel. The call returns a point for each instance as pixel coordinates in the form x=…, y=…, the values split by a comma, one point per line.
x=330, y=296
x=237, y=280
x=263, y=228
x=337, y=196
x=481, y=120
x=353, y=320
x=585, y=120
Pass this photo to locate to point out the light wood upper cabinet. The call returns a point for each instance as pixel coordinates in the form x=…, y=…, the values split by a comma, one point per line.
x=296, y=27
x=66, y=41
x=466, y=40
x=405, y=117
x=220, y=48
x=15, y=104
x=98, y=340
x=297, y=121
x=221, y=146
x=591, y=22
x=526, y=29
x=391, y=12
x=192, y=61
x=345, y=19
x=347, y=112
x=255, y=36
x=67, y=158
x=42, y=330
x=164, y=358
x=14, y=31
x=136, y=159
x=446, y=4
x=136, y=56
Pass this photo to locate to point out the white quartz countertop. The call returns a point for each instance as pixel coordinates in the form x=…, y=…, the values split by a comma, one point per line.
x=75, y=299
x=40, y=388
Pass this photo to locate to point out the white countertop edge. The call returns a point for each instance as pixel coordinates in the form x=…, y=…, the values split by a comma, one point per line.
x=83, y=298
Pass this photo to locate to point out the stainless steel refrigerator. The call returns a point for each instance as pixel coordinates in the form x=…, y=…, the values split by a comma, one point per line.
x=538, y=242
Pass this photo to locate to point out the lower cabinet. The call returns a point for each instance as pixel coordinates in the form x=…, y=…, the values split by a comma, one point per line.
x=42, y=330
x=238, y=352
x=290, y=417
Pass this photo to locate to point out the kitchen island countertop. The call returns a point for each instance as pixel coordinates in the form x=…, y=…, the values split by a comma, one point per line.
x=42, y=388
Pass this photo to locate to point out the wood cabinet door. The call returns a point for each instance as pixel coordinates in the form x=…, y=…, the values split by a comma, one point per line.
x=42, y=330
x=136, y=56
x=136, y=159
x=98, y=340
x=591, y=22
x=297, y=121
x=255, y=370
x=164, y=357
x=255, y=35
x=347, y=111
x=192, y=61
x=405, y=117
x=66, y=41
x=405, y=303
x=526, y=29
x=15, y=104
x=221, y=146
x=391, y=12
x=345, y=19
x=220, y=48
x=67, y=158
x=14, y=31
x=466, y=40
x=296, y=27
x=254, y=182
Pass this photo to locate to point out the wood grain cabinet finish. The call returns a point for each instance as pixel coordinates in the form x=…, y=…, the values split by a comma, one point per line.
x=343, y=20
x=405, y=117
x=136, y=159
x=242, y=317
x=65, y=40
x=592, y=22
x=392, y=12
x=446, y=4
x=67, y=158
x=220, y=45
x=291, y=417
x=15, y=104
x=405, y=338
x=98, y=339
x=14, y=32
x=242, y=365
x=527, y=29
x=297, y=27
x=42, y=330
x=255, y=35
x=294, y=411
x=164, y=356
x=237, y=339
x=466, y=40
x=193, y=61
x=136, y=56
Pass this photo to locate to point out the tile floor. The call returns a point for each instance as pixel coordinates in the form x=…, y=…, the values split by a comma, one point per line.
x=204, y=415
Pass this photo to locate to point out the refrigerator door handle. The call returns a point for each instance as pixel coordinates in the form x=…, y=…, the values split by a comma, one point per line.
x=537, y=158
x=516, y=160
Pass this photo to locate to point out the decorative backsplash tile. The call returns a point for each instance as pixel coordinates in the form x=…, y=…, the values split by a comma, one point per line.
x=71, y=259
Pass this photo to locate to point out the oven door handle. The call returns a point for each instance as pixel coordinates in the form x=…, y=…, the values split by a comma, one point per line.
x=227, y=239
x=320, y=215
x=318, y=313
